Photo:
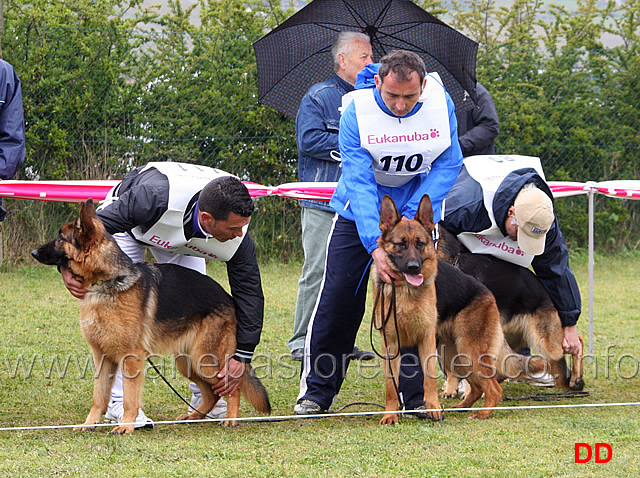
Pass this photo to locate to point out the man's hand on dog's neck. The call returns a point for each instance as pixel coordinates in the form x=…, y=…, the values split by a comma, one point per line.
x=75, y=287
x=384, y=271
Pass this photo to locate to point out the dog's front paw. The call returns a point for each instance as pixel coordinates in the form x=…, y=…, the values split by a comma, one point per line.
x=194, y=415
x=435, y=411
x=389, y=419
x=122, y=430
x=229, y=423
x=85, y=427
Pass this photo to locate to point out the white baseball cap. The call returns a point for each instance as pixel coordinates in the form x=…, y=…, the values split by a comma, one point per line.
x=534, y=214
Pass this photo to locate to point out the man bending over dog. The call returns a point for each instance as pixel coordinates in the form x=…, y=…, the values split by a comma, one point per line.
x=502, y=206
x=518, y=226
x=185, y=214
x=396, y=99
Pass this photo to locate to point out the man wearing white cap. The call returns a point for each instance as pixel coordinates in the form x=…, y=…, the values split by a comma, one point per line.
x=501, y=205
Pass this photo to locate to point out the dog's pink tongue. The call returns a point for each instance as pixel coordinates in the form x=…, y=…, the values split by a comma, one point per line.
x=414, y=279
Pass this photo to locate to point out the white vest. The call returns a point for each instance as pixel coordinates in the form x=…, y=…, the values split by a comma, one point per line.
x=168, y=233
x=402, y=148
x=489, y=171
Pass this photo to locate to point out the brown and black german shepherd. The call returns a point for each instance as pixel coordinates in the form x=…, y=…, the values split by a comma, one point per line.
x=528, y=316
x=132, y=311
x=436, y=298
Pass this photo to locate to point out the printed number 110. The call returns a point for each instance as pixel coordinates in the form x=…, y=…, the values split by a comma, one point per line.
x=402, y=163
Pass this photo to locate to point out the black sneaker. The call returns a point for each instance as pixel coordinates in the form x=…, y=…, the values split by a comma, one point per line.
x=358, y=354
x=308, y=407
x=418, y=412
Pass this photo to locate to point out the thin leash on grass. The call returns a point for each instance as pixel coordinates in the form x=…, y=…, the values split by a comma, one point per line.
x=173, y=388
x=281, y=418
x=384, y=318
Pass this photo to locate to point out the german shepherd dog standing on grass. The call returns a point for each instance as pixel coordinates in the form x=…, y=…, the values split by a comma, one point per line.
x=528, y=316
x=132, y=311
x=436, y=298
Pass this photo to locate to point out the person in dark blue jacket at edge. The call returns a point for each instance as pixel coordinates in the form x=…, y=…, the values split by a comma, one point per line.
x=317, y=125
x=395, y=109
x=522, y=220
x=478, y=126
x=12, y=135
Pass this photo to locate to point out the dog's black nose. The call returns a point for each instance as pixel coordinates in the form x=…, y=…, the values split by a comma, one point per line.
x=413, y=267
x=34, y=253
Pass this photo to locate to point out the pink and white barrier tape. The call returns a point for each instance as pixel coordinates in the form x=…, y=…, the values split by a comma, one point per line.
x=79, y=191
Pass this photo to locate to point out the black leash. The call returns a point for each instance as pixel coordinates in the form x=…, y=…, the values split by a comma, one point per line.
x=174, y=390
x=548, y=397
x=384, y=319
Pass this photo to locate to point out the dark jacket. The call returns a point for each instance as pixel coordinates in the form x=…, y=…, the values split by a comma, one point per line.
x=478, y=127
x=465, y=212
x=317, y=126
x=12, y=139
x=142, y=200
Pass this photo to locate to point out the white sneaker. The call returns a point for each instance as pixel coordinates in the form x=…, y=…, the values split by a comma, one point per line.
x=462, y=387
x=219, y=411
x=542, y=379
x=115, y=412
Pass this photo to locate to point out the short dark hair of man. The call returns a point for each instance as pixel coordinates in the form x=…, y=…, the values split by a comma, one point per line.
x=224, y=195
x=402, y=63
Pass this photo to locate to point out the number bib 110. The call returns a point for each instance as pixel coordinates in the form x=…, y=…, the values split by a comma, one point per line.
x=402, y=148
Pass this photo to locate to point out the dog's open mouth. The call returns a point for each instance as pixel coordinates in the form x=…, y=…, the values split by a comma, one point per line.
x=414, y=279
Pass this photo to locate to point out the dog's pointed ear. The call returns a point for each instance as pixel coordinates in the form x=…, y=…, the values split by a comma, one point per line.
x=425, y=213
x=85, y=230
x=389, y=215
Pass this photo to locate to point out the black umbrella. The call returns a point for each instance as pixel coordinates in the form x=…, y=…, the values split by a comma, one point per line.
x=297, y=54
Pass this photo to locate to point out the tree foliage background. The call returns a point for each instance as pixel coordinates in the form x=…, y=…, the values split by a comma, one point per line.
x=108, y=86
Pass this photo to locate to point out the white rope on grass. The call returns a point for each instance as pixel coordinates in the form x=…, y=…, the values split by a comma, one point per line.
x=279, y=418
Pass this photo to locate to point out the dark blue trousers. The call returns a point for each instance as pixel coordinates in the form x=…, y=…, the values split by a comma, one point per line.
x=335, y=322
x=337, y=318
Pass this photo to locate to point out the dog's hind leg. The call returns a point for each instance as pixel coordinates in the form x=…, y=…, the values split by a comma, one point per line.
x=478, y=383
x=492, y=396
x=484, y=379
x=576, y=381
x=233, y=409
x=545, y=335
x=104, y=374
x=209, y=399
x=447, y=356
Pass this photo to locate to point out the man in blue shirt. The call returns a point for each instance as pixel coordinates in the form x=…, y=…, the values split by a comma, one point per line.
x=399, y=139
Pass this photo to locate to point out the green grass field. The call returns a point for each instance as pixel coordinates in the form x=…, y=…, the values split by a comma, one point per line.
x=46, y=380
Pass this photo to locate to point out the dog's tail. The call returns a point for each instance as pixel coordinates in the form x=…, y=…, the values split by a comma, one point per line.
x=514, y=366
x=254, y=391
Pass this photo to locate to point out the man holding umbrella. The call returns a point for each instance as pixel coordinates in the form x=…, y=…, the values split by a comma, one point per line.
x=319, y=160
x=404, y=101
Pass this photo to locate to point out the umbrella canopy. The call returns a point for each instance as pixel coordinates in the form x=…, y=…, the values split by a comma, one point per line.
x=297, y=54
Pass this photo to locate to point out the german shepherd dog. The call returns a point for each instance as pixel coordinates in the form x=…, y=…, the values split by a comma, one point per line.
x=436, y=298
x=528, y=316
x=132, y=311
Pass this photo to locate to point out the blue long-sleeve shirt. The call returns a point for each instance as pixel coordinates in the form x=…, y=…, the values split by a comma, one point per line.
x=358, y=197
